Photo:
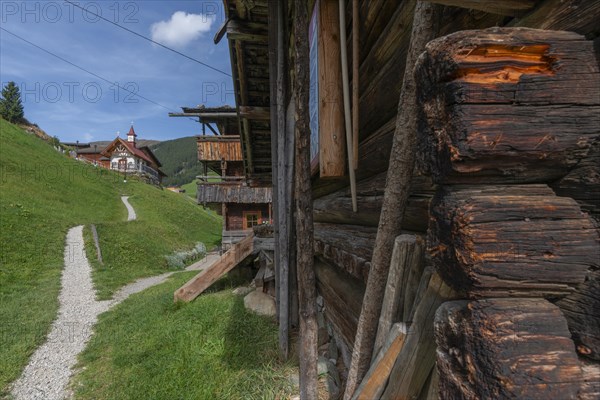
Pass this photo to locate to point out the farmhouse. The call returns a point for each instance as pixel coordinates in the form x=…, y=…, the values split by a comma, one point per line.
x=243, y=202
x=436, y=185
x=126, y=157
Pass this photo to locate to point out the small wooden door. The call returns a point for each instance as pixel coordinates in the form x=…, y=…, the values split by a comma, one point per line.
x=122, y=164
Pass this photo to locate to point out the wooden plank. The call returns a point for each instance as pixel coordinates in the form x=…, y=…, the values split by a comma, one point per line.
x=407, y=260
x=247, y=31
x=337, y=207
x=502, y=111
x=394, y=200
x=502, y=7
x=563, y=15
x=590, y=388
x=417, y=358
x=307, y=291
x=332, y=155
x=195, y=286
x=252, y=112
x=505, y=349
x=343, y=297
x=513, y=240
x=374, y=382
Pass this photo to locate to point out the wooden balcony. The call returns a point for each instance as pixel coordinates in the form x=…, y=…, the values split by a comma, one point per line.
x=233, y=192
x=219, y=148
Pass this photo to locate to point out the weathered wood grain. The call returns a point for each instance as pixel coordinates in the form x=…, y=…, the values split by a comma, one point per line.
x=582, y=310
x=417, y=358
x=590, y=388
x=507, y=105
x=348, y=247
x=195, y=286
x=337, y=207
x=505, y=349
x=406, y=267
x=343, y=296
x=374, y=382
x=502, y=7
x=519, y=240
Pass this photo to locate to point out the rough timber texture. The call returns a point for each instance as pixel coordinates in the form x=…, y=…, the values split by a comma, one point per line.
x=582, y=310
x=507, y=105
x=513, y=241
x=505, y=349
x=337, y=207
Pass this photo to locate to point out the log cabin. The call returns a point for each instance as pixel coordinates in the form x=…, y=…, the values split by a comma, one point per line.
x=243, y=200
x=471, y=128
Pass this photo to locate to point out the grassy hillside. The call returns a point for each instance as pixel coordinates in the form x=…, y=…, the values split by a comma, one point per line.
x=211, y=348
x=42, y=195
x=179, y=159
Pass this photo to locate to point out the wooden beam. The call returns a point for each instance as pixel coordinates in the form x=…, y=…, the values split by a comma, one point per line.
x=251, y=112
x=406, y=267
x=376, y=378
x=502, y=7
x=195, y=286
x=247, y=31
x=355, y=80
x=395, y=198
x=331, y=113
x=417, y=358
x=307, y=291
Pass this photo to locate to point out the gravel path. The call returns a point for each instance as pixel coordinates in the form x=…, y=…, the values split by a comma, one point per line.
x=47, y=375
x=131, y=216
x=49, y=370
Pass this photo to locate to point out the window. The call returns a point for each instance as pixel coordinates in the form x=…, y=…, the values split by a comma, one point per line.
x=251, y=219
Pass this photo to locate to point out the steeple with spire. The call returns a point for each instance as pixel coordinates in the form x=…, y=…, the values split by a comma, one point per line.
x=131, y=135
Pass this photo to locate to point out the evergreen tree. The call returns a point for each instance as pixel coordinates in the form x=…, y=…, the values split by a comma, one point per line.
x=11, y=108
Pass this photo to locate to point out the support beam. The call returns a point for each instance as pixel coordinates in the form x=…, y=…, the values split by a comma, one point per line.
x=501, y=7
x=250, y=112
x=247, y=31
x=307, y=291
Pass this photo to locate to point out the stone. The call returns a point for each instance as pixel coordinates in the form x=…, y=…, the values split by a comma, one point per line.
x=260, y=303
x=322, y=365
x=242, y=290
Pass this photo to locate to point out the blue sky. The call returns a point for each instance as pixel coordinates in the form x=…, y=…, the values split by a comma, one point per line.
x=74, y=105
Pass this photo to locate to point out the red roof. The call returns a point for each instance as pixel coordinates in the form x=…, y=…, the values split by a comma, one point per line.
x=130, y=147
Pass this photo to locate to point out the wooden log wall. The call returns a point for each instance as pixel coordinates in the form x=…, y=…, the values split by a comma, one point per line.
x=384, y=35
x=495, y=236
x=505, y=348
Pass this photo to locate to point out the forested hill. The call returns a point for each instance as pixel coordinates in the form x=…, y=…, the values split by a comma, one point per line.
x=179, y=159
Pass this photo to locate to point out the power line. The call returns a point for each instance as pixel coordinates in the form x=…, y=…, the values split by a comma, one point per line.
x=148, y=39
x=83, y=69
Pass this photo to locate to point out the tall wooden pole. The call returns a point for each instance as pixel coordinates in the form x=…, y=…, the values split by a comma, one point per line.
x=307, y=290
x=355, y=81
x=402, y=161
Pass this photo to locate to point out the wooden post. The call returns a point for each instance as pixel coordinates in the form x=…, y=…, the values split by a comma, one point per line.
x=331, y=106
x=307, y=291
x=407, y=262
x=355, y=80
x=395, y=198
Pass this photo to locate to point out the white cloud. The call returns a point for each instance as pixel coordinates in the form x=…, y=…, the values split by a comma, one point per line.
x=181, y=29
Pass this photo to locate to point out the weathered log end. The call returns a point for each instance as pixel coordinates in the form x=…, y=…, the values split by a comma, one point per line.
x=506, y=105
x=505, y=349
x=511, y=241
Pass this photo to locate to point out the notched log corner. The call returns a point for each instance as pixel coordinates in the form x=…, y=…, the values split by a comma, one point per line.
x=505, y=349
x=506, y=105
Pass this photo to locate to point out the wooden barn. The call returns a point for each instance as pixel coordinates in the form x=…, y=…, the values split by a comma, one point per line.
x=242, y=200
x=435, y=170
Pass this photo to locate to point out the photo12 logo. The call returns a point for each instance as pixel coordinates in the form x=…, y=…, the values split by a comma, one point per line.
x=69, y=11
x=72, y=92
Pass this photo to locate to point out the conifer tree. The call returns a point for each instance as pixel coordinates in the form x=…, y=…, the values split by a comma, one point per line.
x=11, y=108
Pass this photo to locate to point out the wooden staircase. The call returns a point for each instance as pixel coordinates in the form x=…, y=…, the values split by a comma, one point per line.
x=236, y=254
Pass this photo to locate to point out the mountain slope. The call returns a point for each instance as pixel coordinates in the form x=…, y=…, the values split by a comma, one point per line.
x=42, y=195
x=179, y=159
